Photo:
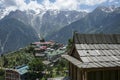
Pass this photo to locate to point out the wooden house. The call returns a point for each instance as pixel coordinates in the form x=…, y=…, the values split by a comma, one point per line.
x=19, y=73
x=94, y=57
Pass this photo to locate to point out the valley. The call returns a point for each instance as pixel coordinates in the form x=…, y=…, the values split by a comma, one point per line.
x=34, y=40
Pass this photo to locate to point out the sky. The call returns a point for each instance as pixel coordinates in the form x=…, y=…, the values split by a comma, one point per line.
x=80, y=5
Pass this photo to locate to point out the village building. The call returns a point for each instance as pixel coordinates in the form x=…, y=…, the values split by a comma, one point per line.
x=48, y=50
x=19, y=73
x=39, y=52
x=41, y=47
x=94, y=57
x=54, y=55
x=42, y=44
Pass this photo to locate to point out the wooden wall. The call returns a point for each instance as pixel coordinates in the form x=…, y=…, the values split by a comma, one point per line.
x=76, y=73
x=104, y=75
x=11, y=75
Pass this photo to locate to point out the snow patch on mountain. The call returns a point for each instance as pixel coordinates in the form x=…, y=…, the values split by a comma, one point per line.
x=108, y=9
x=4, y=11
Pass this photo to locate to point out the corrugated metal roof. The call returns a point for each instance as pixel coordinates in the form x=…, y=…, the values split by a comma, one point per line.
x=22, y=70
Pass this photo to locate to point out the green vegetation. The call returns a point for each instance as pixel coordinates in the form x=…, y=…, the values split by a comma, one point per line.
x=58, y=69
x=42, y=72
x=36, y=67
x=2, y=72
x=70, y=42
x=17, y=58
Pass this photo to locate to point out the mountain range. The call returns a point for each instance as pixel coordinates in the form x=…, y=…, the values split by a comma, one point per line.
x=42, y=23
x=46, y=21
x=20, y=28
x=101, y=20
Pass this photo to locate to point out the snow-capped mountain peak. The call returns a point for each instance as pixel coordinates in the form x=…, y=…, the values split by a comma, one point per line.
x=108, y=9
x=5, y=11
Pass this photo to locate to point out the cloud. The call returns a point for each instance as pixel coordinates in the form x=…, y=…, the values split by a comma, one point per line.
x=61, y=4
x=12, y=4
x=48, y=5
x=17, y=3
x=20, y=4
x=34, y=5
x=67, y=4
x=54, y=4
x=91, y=2
x=111, y=0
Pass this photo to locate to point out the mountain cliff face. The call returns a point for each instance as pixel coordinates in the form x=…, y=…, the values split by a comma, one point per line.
x=14, y=35
x=47, y=21
x=101, y=20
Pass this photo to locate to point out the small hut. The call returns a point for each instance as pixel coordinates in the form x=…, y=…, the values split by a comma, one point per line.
x=19, y=73
x=94, y=57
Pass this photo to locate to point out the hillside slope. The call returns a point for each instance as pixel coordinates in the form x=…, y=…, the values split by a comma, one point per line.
x=14, y=35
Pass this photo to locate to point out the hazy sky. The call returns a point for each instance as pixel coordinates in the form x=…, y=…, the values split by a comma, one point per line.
x=86, y=5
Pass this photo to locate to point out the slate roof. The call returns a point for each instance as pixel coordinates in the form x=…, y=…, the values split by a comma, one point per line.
x=96, y=50
x=97, y=38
